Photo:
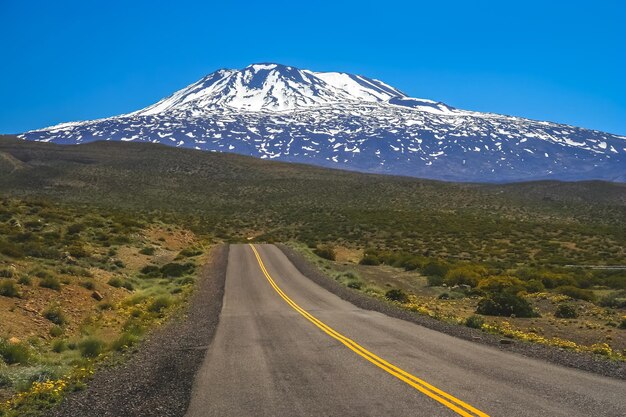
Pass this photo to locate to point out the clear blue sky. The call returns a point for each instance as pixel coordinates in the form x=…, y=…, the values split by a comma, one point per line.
x=563, y=61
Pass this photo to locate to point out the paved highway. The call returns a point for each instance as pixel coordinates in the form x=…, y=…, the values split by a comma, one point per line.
x=285, y=346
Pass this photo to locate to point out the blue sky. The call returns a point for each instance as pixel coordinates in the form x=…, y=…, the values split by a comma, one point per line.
x=562, y=61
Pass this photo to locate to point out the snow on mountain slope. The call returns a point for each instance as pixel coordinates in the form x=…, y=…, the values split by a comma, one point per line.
x=354, y=122
x=273, y=87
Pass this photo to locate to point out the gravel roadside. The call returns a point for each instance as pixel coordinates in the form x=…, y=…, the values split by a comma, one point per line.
x=584, y=361
x=157, y=380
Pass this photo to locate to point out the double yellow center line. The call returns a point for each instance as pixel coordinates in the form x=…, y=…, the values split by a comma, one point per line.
x=422, y=386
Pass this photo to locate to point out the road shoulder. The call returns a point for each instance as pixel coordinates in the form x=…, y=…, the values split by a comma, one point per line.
x=157, y=380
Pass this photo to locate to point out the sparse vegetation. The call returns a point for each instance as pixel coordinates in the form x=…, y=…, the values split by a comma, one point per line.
x=8, y=288
x=15, y=352
x=91, y=347
x=148, y=250
x=49, y=281
x=115, y=282
x=125, y=341
x=77, y=250
x=55, y=315
x=56, y=331
x=576, y=293
x=160, y=303
x=24, y=280
x=59, y=346
x=175, y=270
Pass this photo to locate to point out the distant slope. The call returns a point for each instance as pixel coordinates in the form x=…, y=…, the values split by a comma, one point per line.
x=353, y=122
x=237, y=197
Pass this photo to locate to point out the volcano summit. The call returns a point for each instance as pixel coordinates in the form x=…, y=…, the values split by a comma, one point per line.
x=352, y=122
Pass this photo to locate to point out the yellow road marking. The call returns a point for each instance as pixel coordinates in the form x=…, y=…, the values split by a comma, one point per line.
x=424, y=387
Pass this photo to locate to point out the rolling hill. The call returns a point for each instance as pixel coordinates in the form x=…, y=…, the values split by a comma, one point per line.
x=236, y=197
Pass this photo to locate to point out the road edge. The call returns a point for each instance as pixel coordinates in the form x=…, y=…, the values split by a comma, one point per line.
x=157, y=380
x=559, y=356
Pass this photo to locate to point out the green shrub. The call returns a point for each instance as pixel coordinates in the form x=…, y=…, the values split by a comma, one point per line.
x=78, y=251
x=622, y=324
x=175, y=270
x=435, y=268
x=397, y=294
x=185, y=281
x=11, y=250
x=148, y=250
x=357, y=285
x=370, y=260
x=534, y=286
x=55, y=315
x=135, y=299
x=160, y=303
x=15, y=353
x=59, y=346
x=75, y=228
x=505, y=304
x=5, y=382
x=51, y=282
x=466, y=275
x=576, y=293
x=134, y=327
x=6, y=273
x=350, y=275
x=42, y=273
x=501, y=284
x=56, y=331
x=105, y=305
x=151, y=270
x=190, y=252
x=553, y=280
x=615, y=279
x=24, y=280
x=116, y=282
x=91, y=347
x=90, y=285
x=412, y=263
x=125, y=341
x=8, y=288
x=434, y=280
x=566, y=311
x=614, y=300
x=326, y=252
x=474, y=321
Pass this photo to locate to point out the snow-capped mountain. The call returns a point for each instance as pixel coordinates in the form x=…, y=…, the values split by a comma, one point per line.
x=353, y=122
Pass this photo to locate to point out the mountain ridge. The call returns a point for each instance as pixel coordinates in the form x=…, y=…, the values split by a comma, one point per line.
x=353, y=122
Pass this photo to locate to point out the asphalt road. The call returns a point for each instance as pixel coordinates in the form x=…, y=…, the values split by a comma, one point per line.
x=285, y=346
